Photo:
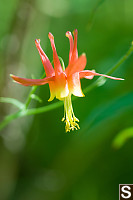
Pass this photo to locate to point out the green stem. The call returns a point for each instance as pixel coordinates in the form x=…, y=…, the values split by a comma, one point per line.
x=121, y=60
x=62, y=63
x=33, y=89
x=110, y=71
x=12, y=101
x=34, y=111
x=8, y=119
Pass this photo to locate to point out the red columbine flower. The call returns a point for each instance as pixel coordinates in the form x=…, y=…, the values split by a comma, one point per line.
x=63, y=84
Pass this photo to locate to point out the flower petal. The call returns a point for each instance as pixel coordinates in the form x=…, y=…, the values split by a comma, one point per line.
x=74, y=85
x=57, y=65
x=69, y=35
x=31, y=82
x=75, y=51
x=90, y=73
x=78, y=66
x=52, y=90
x=45, y=61
x=61, y=86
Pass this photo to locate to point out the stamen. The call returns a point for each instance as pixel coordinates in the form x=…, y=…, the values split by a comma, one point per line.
x=69, y=117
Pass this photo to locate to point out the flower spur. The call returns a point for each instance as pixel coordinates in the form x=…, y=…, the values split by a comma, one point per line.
x=63, y=84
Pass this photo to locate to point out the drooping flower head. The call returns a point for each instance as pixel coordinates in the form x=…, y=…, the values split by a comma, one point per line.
x=63, y=83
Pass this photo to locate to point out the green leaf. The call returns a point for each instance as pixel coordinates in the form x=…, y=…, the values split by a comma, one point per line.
x=108, y=111
x=101, y=81
x=15, y=102
x=37, y=98
x=122, y=137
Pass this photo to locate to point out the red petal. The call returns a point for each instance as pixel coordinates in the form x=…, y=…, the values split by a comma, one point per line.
x=61, y=86
x=88, y=73
x=75, y=51
x=57, y=65
x=69, y=35
x=31, y=82
x=45, y=61
x=78, y=66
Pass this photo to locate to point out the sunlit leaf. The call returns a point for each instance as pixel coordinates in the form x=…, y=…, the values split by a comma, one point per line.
x=122, y=137
x=37, y=98
x=101, y=81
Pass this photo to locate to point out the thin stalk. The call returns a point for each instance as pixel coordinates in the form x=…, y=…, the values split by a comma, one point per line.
x=129, y=52
x=110, y=71
x=62, y=63
x=12, y=101
x=33, y=89
x=8, y=119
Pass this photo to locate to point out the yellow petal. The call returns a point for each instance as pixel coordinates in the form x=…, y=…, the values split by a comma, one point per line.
x=74, y=85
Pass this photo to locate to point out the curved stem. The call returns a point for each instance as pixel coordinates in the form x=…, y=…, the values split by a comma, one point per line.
x=12, y=101
x=110, y=71
x=62, y=63
x=33, y=89
x=34, y=111
x=122, y=59
x=8, y=119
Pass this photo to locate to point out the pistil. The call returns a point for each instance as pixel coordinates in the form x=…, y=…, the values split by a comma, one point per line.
x=69, y=117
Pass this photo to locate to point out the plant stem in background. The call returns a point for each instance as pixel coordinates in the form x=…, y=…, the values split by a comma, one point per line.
x=33, y=89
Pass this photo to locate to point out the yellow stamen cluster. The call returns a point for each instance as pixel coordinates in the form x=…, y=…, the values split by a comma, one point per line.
x=69, y=117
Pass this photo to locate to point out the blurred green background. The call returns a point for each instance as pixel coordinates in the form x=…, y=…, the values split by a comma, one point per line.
x=38, y=160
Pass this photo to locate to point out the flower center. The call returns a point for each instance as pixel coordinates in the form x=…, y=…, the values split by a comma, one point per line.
x=69, y=117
